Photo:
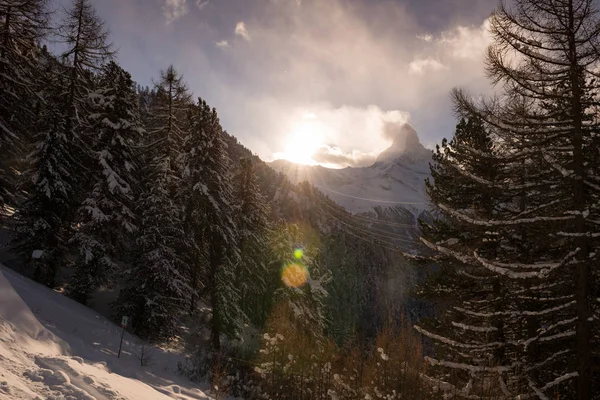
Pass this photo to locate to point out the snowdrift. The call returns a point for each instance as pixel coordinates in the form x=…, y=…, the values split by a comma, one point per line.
x=54, y=348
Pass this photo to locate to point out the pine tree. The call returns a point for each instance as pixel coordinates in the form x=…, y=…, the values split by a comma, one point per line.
x=252, y=225
x=545, y=56
x=106, y=217
x=157, y=285
x=41, y=234
x=60, y=164
x=209, y=212
x=22, y=25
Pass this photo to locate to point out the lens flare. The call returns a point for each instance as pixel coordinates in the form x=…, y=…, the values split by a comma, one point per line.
x=294, y=275
x=298, y=253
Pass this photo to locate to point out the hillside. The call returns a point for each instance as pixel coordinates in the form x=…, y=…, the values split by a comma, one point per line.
x=54, y=348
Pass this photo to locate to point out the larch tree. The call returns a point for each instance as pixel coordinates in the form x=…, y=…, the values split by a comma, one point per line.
x=207, y=194
x=60, y=163
x=167, y=119
x=87, y=47
x=460, y=289
x=107, y=216
x=545, y=58
x=87, y=44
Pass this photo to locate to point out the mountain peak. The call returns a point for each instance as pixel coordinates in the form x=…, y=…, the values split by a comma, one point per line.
x=405, y=145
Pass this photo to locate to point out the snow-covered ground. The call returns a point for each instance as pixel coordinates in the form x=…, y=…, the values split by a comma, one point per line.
x=54, y=348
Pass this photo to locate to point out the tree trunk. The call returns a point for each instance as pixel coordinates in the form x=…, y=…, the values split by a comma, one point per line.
x=583, y=273
x=215, y=335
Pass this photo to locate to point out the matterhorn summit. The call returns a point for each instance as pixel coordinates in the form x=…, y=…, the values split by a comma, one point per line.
x=406, y=146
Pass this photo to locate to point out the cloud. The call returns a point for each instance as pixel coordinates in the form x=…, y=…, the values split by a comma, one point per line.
x=335, y=157
x=202, y=3
x=426, y=37
x=324, y=52
x=240, y=30
x=422, y=65
x=174, y=9
x=466, y=42
x=321, y=56
x=351, y=136
x=331, y=60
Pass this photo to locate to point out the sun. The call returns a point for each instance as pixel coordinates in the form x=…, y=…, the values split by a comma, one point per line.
x=303, y=141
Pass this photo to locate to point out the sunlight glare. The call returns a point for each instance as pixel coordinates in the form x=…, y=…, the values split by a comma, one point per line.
x=304, y=140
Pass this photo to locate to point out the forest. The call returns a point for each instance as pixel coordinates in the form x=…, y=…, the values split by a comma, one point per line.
x=273, y=290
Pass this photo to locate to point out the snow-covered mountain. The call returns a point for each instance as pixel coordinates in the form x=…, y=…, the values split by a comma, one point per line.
x=396, y=178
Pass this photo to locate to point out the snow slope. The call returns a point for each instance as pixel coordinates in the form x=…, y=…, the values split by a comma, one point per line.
x=396, y=179
x=54, y=348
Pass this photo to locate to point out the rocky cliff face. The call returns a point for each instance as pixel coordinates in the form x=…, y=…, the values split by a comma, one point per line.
x=406, y=148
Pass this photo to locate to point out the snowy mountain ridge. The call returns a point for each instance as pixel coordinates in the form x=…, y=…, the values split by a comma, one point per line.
x=397, y=178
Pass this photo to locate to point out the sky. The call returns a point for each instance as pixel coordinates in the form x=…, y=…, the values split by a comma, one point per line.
x=313, y=81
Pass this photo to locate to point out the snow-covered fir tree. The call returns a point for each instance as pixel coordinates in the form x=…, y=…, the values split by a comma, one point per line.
x=22, y=25
x=545, y=57
x=157, y=284
x=41, y=235
x=252, y=225
x=60, y=165
x=106, y=217
x=207, y=194
x=156, y=288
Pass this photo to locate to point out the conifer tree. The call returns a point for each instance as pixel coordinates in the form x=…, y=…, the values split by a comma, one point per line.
x=545, y=56
x=157, y=285
x=106, y=216
x=252, y=226
x=301, y=278
x=209, y=218
x=60, y=164
x=87, y=48
x=167, y=119
x=41, y=234
x=459, y=288
x=22, y=25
